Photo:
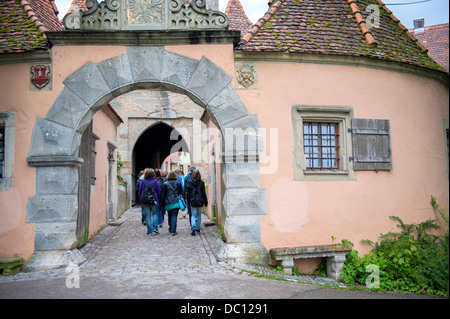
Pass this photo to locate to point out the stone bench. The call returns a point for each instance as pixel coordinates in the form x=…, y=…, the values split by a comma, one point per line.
x=334, y=254
x=10, y=265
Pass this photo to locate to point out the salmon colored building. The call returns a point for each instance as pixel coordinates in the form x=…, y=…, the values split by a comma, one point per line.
x=322, y=120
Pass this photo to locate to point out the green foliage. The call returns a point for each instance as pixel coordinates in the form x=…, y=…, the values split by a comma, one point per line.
x=410, y=260
x=120, y=164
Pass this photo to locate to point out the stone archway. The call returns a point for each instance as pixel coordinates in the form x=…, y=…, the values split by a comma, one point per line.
x=56, y=140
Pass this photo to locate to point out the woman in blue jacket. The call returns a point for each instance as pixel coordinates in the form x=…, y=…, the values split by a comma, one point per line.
x=150, y=211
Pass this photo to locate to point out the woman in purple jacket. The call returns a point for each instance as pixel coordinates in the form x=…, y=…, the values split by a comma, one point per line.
x=150, y=210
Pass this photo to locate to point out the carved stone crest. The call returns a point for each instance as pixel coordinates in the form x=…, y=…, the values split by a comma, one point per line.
x=142, y=14
x=145, y=11
x=246, y=75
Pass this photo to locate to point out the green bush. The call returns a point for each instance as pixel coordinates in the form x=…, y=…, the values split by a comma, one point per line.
x=410, y=260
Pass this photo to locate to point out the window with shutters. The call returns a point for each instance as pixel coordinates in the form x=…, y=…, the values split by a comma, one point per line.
x=447, y=144
x=2, y=150
x=6, y=150
x=322, y=144
x=371, y=141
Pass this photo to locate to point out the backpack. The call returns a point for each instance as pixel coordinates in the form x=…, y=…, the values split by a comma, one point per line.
x=148, y=197
x=196, y=196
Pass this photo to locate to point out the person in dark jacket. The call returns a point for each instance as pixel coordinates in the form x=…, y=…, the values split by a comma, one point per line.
x=161, y=210
x=171, y=191
x=151, y=211
x=196, y=198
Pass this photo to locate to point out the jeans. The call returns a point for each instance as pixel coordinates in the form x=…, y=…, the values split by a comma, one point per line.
x=160, y=214
x=196, y=217
x=172, y=219
x=151, y=217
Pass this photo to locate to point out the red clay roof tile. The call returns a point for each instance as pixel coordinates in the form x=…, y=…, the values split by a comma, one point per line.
x=237, y=16
x=333, y=27
x=435, y=39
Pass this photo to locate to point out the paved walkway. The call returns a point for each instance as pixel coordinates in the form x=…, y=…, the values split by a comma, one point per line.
x=123, y=262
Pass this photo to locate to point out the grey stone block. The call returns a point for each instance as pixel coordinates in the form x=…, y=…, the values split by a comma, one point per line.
x=117, y=72
x=69, y=109
x=55, y=236
x=53, y=139
x=241, y=175
x=243, y=229
x=56, y=180
x=145, y=63
x=177, y=69
x=245, y=201
x=52, y=208
x=90, y=85
x=227, y=106
x=207, y=80
x=243, y=137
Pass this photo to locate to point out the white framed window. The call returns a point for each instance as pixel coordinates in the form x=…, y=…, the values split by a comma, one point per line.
x=6, y=150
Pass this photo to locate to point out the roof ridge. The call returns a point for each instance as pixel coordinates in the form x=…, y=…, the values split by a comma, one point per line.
x=368, y=35
x=33, y=17
x=401, y=26
x=273, y=7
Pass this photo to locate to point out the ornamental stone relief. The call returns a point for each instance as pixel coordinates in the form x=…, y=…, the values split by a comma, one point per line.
x=145, y=11
x=246, y=77
x=146, y=14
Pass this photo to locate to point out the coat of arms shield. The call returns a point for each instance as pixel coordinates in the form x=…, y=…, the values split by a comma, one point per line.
x=40, y=75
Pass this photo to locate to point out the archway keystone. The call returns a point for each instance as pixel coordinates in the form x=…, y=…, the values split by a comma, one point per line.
x=56, y=140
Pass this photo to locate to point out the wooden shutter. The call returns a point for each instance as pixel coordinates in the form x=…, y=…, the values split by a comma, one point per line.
x=371, y=145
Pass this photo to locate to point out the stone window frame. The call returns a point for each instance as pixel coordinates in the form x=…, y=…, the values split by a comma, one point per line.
x=341, y=115
x=447, y=142
x=7, y=121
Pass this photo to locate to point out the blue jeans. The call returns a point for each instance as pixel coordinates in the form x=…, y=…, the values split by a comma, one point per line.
x=172, y=219
x=196, y=217
x=160, y=214
x=151, y=217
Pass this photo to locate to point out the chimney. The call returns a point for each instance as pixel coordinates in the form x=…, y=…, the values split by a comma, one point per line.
x=419, y=25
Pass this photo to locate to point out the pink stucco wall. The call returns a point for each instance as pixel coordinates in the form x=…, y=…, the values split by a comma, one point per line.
x=310, y=212
x=105, y=129
x=17, y=236
x=300, y=212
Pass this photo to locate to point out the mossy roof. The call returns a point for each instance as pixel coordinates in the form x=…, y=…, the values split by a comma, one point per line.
x=335, y=27
x=23, y=23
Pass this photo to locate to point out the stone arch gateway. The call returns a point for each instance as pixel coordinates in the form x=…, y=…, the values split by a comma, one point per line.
x=56, y=139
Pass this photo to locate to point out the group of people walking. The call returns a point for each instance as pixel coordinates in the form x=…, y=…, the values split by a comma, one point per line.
x=160, y=192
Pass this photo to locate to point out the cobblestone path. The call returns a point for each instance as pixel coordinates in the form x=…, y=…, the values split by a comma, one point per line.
x=129, y=249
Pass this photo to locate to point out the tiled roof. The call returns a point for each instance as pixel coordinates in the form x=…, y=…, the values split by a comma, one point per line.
x=23, y=23
x=238, y=18
x=335, y=27
x=435, y=39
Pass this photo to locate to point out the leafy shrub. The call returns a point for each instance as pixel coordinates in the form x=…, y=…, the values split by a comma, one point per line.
x=410, y=260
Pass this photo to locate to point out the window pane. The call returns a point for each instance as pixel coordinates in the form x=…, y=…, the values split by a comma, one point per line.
x=321, y=145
